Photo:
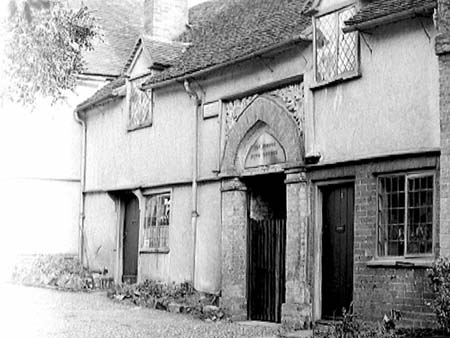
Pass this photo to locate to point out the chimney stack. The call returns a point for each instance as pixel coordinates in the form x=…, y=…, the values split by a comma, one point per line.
x=165, y=19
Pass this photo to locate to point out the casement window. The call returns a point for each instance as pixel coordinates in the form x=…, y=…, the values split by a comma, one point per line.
x=336, y=53
x=157, y=221
x=139, y=106
x=405, y=215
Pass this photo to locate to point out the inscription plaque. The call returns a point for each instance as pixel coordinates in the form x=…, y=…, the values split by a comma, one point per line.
x=265, y=150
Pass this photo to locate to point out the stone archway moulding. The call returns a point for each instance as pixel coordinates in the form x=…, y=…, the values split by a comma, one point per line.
x=263, y=114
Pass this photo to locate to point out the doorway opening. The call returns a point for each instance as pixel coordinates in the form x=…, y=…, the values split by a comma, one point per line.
x=337, y=252
x=266, y=246
x=130, y=238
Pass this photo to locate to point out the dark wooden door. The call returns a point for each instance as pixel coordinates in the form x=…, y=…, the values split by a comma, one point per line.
x=337, y=250
x=130, y=240
x=266, y=264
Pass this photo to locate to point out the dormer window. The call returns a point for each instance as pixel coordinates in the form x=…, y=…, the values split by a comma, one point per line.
x=336, y=52
x=139, y=106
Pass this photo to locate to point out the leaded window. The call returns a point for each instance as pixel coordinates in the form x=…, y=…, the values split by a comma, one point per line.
x=336, y=52
x=157, y=221
x=139, y=106
x=405, y=215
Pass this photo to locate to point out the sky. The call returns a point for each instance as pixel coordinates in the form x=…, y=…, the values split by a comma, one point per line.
x=4, y=5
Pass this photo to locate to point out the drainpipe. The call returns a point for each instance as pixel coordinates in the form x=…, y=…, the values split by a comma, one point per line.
x=82, y=186
x=194, y=215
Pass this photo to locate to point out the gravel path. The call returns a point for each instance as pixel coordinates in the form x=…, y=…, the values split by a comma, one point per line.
x=35, y=312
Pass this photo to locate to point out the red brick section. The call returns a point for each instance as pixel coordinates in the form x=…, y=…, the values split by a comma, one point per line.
x=377, y=290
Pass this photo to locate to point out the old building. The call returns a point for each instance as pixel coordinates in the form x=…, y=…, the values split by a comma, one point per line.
x=284, y=154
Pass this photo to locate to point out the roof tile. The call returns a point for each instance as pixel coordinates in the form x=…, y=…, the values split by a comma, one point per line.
x=380, y=8
x=223, y=31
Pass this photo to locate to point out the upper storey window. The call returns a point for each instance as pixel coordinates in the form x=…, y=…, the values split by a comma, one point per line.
x=336, y=52
x=139, y=106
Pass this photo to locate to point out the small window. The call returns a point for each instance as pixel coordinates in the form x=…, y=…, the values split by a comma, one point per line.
x=157, y=221
x=336, y=52
x=405, y=215
x=139, y=106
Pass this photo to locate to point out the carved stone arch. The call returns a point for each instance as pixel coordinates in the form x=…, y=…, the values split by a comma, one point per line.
x=264, y=113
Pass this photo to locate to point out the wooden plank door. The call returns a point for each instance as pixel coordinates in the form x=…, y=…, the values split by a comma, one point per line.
x=130, y=240
x=337, y=250
x=266, y=262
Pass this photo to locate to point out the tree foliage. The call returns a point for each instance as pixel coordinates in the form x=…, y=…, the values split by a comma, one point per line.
x=45, y=41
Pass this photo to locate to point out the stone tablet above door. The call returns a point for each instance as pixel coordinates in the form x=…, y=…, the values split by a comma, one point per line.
x=266, y=150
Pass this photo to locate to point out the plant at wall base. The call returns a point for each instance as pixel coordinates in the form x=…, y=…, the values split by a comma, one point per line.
x=43, y=45
x=440, y=282
x=351, y=327
x=173, y=297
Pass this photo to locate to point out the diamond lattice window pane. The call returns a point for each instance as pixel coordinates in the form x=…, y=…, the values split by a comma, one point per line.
x=140, y=106
x=326, y=47
x=347, y=44
x=336, y=51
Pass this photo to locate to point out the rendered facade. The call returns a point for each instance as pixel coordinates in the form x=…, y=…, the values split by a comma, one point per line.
x=285, y=155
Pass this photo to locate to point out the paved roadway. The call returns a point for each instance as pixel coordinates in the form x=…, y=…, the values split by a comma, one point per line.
x=36, y=312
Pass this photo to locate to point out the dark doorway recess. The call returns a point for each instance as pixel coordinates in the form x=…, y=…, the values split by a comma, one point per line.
x=130, y=238
x=337, y=249
x=266, y=247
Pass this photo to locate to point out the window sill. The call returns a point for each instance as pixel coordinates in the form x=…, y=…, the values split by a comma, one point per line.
x=164, y=250
x=408, y=263
x=141, y=126
x=343, y=78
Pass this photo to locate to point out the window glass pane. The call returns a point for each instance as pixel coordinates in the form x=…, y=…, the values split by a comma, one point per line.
x=347, y=51
x=391, y=216
x=326, y=47
x=157, y=219
x=420, y=215
x=140, y=106
x=336, y=51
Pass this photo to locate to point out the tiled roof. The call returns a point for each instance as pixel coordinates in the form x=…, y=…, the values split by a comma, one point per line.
x=103, y=93
x=381, y=8
x=224, y=31
x=162, y=53
x=120, y=27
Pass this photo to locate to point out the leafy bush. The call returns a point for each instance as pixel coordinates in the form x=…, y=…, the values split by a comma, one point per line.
x=440, y=283
x=62, y=271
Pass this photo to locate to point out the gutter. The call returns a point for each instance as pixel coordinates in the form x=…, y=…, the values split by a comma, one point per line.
x=207, y=70
x=194, y=215
x=82, y=186
x=115, y=93
x=391, y=18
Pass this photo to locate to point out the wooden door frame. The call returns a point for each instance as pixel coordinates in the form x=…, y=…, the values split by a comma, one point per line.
x=318, y=240
x=120, y=223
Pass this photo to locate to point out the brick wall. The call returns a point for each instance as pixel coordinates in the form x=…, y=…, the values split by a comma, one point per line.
x=444, y=98
x=443, y=51
x=377, y=290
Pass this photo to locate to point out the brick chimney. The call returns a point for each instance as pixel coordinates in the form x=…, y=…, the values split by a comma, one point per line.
x=165, y=19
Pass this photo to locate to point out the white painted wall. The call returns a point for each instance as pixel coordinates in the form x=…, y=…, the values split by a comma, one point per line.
x=392, y=108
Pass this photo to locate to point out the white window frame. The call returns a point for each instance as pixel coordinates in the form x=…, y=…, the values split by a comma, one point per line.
x=407, y=175
x=335, y=10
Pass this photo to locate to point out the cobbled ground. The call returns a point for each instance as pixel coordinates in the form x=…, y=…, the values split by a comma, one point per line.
x=37, y=312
